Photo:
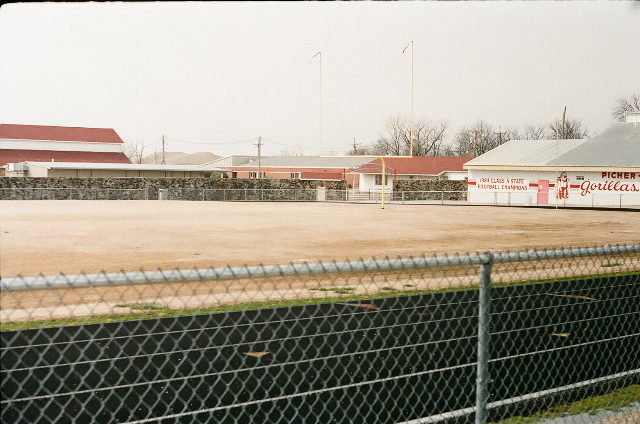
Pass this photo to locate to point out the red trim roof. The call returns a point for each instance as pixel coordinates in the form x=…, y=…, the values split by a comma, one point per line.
x=321, y=176
x=43, y=132
x=419, y=165
x=15, y=155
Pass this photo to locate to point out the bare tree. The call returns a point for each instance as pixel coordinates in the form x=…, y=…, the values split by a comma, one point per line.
x=427, y=138
x=534, y=132
x=572, y=129
x=134, y=151
x=624, y=105
x=447, y=149
x=480, y=138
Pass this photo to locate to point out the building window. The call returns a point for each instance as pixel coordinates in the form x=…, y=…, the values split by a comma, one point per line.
x=295, y=175
x=256, y=175
x=580, y=178
x=378, y=179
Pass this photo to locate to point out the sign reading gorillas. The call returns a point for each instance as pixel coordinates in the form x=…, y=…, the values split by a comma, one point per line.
x=610, y=184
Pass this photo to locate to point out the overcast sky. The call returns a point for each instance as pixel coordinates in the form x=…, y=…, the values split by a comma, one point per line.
x=226, y=73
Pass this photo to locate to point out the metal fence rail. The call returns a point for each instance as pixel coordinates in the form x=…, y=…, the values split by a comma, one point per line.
x=433, y=197
x=456, y=338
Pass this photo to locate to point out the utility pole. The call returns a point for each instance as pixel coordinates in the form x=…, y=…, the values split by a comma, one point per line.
x=259, y=144
x=355, y=146
x=163, y=143
x=499, y=134
x=563, y=116
x=561, y=135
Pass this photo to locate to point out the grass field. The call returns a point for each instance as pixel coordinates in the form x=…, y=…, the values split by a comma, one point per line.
x=72, y=236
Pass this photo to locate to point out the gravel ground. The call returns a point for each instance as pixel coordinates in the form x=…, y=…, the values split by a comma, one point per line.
x=72, y=236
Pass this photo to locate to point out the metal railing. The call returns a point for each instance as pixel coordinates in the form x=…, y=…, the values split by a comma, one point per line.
x=432, y=197
x=426, y=339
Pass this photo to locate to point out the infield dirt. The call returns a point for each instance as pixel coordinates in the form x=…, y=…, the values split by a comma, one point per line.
x=71, y=236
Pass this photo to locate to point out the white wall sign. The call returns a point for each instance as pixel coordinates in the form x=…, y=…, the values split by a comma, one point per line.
x=502, y=184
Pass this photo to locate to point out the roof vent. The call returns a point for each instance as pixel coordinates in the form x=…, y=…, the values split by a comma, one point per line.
x=632, y=117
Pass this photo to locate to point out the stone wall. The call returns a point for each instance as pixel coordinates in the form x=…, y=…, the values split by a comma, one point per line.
x=441, y=189
x=179, y=188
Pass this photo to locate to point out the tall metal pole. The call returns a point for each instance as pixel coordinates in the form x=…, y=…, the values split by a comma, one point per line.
x=411, y=124
x=319, y=54
x=412, y=93
x=321, y=134
x=384, y=180
x=482, y=381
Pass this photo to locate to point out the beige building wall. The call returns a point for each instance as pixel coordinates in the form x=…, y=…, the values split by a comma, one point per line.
x=35, y=171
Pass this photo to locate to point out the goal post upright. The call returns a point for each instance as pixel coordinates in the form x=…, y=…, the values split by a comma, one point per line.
x=383, y=169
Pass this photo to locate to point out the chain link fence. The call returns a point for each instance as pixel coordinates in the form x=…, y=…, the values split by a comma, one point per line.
x=538, y=336
x=431, y=197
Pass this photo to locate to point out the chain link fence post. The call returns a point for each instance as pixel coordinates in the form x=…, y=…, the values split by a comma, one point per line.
x=482, y=382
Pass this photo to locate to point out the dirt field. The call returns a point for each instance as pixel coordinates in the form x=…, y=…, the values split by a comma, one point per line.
x=72, y=236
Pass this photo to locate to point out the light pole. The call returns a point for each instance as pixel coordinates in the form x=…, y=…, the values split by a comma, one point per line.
x=410, y=43
x=319, y=55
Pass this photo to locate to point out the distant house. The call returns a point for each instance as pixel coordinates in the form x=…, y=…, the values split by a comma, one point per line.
x=364, y=173
x=317, y=168
x=415, y=168
x=41, y=143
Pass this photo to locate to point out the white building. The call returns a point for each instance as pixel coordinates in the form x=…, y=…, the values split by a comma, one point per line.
x=600, y=171
x=108, y=170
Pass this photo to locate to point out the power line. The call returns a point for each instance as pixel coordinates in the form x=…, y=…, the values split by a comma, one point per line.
x=245, y=141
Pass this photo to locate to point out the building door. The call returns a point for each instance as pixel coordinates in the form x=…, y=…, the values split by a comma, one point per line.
x=543, y=192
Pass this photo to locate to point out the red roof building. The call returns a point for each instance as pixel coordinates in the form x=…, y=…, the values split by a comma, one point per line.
x=418, y=168
x=42, y=143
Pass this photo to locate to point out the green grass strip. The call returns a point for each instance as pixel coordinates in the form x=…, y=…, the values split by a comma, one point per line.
x=608, y=402
x=154, y=310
